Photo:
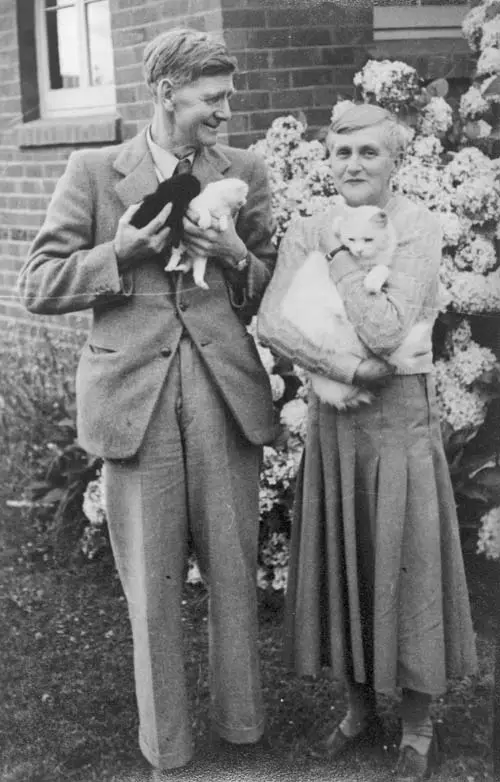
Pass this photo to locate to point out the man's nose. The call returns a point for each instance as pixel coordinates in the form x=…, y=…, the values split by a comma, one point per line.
x=223, y=111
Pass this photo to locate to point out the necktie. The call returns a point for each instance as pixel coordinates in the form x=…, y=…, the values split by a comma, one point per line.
x=184, y=166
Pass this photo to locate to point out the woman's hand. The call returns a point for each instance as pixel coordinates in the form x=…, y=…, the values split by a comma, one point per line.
x=372, y=373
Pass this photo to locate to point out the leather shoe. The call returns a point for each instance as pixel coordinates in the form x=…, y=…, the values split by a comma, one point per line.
x=413, y=767
x=337, y=743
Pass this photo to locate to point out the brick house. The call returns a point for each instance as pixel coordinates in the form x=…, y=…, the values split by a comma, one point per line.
x=71, y=76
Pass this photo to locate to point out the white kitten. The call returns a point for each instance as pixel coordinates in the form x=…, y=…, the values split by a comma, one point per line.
x=370, y=237
x=218, y=200
x=313, y=303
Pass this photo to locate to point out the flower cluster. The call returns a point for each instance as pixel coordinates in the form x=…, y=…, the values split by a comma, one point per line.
x=488, y=542
x=462, y=404
x=94, y=539
x=300, y=178
x=273, y=569
x=391, y=84
x=436, y=118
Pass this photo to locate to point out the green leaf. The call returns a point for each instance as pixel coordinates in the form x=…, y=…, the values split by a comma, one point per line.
x=66, y=422
x=438, y=88
x=472, y=492
x=493, y=88
x=52, y=497
x=489, y=478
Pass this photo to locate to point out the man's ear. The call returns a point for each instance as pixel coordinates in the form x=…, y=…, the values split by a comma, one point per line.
x=164, y=93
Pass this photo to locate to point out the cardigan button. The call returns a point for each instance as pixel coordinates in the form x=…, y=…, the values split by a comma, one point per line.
x=183, y=306
x=166, y=352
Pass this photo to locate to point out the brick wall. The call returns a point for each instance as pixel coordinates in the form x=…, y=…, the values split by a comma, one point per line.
x=293, y=55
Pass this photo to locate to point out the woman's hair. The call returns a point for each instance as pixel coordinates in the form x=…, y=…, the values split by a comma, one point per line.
x=182, y=56
x=366, y=115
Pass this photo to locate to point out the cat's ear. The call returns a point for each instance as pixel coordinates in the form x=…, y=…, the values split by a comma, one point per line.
x=381, y=219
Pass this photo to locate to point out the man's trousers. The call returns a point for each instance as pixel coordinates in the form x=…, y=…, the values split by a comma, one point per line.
x=194, y=472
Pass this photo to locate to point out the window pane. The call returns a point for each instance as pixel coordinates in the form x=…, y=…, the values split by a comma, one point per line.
x=51, y=4
x=99, y=43
x=63, y=48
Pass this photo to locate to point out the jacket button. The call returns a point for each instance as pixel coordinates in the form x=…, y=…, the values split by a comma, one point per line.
x=166, y=352
x=183, y=306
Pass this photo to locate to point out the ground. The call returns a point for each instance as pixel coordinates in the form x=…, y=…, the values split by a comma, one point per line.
x=68, y=712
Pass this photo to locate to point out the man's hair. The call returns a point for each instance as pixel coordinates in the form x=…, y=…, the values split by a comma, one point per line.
x=183, y=55
x=366, y=115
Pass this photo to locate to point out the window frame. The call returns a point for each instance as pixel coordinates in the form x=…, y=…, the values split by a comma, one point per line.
x=66, y=101
x=391, y=22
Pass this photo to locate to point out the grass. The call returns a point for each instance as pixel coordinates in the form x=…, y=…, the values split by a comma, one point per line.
x=68, y=709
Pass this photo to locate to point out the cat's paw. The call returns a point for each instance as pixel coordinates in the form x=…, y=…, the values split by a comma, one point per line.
x=376, y=278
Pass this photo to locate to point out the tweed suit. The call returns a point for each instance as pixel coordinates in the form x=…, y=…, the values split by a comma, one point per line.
x=172, y=394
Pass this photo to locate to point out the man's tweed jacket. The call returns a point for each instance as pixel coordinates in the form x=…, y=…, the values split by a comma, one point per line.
x=138, y=317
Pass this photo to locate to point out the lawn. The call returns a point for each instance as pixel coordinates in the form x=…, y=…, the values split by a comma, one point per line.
x=68, y=711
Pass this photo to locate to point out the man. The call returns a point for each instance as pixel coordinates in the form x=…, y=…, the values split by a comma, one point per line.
x=170, y=389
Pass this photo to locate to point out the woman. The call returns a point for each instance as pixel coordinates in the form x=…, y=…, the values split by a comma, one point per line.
x=376, y=586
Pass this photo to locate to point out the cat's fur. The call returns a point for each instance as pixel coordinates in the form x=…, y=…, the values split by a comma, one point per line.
x=179, y=191
x=218, y=200
x=313, y=303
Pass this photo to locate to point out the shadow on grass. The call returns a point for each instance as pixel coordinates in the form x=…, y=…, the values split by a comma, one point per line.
x=68, y=709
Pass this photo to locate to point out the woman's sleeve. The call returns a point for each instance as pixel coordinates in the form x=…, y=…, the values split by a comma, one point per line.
x=383, y=320
x=279, y=334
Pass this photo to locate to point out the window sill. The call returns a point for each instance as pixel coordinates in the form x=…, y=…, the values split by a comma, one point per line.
x=63, y=131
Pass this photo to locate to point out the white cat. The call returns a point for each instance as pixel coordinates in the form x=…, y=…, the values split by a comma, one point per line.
x=313, y=303
x=218, y=200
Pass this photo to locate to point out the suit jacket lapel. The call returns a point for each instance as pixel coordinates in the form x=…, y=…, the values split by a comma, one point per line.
x=136, y=164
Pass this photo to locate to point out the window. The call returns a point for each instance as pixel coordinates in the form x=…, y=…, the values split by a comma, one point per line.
x=74, y=57
x=420, y=19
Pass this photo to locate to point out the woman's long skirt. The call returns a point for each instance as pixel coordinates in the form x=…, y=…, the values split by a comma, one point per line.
x=377, y=589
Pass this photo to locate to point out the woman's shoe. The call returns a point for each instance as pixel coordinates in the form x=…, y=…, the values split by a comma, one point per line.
x=337, y=743
x=413, y=767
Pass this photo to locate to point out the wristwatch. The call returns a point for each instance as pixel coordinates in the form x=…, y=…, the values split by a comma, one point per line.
x=242, y=265
x=331, y=255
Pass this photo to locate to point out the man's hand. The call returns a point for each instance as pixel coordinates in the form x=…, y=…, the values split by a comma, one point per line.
x=135, y=245
x=224, y=245
x=372, y=373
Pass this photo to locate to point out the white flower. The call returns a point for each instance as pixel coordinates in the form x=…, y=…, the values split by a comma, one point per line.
x=491, y=33
x=280, y=579
x=266, y=357
x=478, y=254
x=472, y=25
x=459, y=337
x=488, y=542
x=262, y=580
x=93, y=502
x=452, y=227
x=489, y=62
x=277, y=387
x=429, y=148
x=393, y=84
x=458, y=405
x=436, y=118
x=468, y=162
x=193, y=575
x=472, y=104
x=475, y=293
x=294, y=417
